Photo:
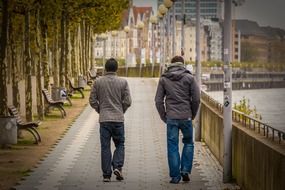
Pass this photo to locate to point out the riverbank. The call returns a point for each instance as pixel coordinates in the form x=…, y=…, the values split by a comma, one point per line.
x=268, y=102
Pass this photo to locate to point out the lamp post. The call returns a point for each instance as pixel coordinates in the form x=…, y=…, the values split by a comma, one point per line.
x=114, y=33
x=160, y=23
x=104, y=38
x=183, y=28
x=227, y=107
x=153, y=21
x=168, y=4
x=162, y=10
x=198, y=69
x=127, y=30
x=140, y=26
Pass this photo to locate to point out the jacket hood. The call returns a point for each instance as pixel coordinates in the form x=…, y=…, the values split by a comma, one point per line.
x=175, y=73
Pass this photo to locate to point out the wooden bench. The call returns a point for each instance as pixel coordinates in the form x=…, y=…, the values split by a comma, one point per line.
x=51, y=103
x=28, y=126
x=91, y=78
x=74, y=89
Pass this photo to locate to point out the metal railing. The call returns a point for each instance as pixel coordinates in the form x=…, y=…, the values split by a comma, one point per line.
x=248, y=121
x=212, y=102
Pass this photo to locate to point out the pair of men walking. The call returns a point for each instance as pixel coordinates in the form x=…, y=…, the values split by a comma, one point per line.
x=177, y=101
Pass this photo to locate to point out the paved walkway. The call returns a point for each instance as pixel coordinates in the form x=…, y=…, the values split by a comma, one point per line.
x=75, y=161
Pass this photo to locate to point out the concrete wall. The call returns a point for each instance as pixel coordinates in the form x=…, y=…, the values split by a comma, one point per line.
x=212, y=131
x=257, y=162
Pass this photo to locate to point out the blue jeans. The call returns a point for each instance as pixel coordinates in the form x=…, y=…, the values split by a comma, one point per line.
x=114, y=130
x=177, y=165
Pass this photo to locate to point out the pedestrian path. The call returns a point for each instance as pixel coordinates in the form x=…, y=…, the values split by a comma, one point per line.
x=75, y=163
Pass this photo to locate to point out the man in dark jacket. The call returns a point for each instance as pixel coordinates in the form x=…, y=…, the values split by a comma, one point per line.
x=110, y=97
x=177, y=100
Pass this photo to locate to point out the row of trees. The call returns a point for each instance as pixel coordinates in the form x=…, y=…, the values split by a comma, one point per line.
x=50, y=38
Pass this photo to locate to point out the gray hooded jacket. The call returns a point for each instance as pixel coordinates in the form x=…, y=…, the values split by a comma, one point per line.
x=177, y=95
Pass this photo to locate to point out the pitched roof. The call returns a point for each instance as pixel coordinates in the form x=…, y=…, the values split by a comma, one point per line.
x=247, y=27
x=139, y=12
x=274, y=32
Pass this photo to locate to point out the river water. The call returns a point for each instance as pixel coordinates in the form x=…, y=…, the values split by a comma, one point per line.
x=270, y=103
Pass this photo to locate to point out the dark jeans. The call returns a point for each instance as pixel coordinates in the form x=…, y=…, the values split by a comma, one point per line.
x=176, y=164
x=114, y=130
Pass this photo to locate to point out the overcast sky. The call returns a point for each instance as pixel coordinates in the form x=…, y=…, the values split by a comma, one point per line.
x=265, y=12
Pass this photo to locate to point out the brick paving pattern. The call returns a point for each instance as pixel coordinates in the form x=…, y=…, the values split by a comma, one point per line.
x=75, y=162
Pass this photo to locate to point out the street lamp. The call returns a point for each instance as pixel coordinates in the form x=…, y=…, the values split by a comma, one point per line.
x=227, y=107
x=114, y=33
x=153, y=21
x=162, y=10
x=127, y=30
x=104, y=38
x=168, y=4
x=140, y=26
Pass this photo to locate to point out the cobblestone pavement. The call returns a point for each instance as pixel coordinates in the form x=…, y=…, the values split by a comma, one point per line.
x=75, y=161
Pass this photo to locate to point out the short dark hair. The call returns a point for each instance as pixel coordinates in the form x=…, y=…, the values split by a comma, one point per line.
x=111, y=65
x=177, y=59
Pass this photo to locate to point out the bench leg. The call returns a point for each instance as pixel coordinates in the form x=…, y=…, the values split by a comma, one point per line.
x=63, y=110
x=82, y=94
x=35, y=136
x=69, y=101
x=47, y=109
x=37, y=133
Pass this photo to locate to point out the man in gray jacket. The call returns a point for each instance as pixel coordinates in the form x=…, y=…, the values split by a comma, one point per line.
x=177, y=100
x=110, y=97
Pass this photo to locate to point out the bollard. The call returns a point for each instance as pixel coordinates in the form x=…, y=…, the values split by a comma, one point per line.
x=8, y=130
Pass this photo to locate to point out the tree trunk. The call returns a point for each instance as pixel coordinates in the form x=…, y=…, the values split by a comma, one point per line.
x=15, y=68
x=86, y=49
x=89, y=47
x=62, y=50
x=55, y=55
x=3, y=49
x=82, y=31
x=28, y=81
x=22, y=57
x=40, y=107
x=73, y=54
x=78, y=57
x=67, y=52
x=92, y=51
x=44, y=54
x=80, y=63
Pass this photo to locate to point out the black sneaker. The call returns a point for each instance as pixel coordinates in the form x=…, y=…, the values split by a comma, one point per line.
x=175, y=180
x=107, y=179
x=185, y=177
x=119, y=174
